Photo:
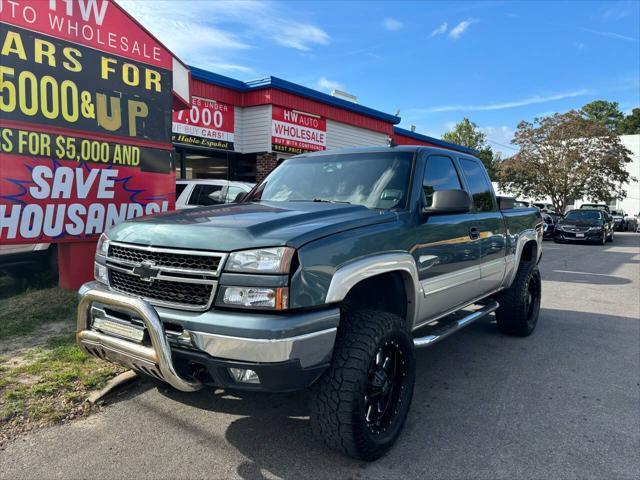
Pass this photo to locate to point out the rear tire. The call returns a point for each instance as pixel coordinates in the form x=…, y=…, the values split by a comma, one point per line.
x=361, y=402
x=520, y=303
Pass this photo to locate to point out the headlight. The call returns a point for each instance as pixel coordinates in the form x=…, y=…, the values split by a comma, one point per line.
x=254, y=297
x=100, y=273
x=103, y=245
x=262, y=260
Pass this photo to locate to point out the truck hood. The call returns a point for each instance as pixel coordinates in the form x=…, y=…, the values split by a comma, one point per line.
x=247, y=225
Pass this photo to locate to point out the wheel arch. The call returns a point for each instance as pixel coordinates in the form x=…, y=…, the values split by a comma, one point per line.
x=398, y=270
x=528, y=248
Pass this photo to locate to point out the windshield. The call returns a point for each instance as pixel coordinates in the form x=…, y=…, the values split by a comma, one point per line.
x=583, y=215
x=375, y=180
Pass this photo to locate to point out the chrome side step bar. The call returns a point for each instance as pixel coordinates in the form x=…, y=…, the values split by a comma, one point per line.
x=444, y=332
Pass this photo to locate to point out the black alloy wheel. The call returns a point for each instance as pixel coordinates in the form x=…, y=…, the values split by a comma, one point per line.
x=384, y=387
x=532, y=301
x=361, y=402
x=520, y=303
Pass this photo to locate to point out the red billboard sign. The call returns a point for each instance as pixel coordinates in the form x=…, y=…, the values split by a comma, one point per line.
x=207, y=124
x=85, y=123
x=296, y=132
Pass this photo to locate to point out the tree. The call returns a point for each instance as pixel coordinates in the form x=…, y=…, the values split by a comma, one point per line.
x=490, y=160
x=566, y=157
x=606, y=113
x=630, y=125
x=467, y=134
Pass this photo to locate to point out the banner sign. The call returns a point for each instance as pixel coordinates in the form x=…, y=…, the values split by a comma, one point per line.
x=297, y=132
x=207, y=124
x=85, y=123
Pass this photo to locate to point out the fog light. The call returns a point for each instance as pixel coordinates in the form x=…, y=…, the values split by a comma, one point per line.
x=100, y=273
x=244, y=375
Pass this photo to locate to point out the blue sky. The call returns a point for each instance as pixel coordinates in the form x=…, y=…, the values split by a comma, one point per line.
x=495, y=62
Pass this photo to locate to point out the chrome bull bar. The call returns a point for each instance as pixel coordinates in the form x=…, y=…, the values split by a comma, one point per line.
x=155, y=360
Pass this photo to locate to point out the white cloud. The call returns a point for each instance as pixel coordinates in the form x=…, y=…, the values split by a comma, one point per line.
x=230, y=67
x=504, y=105
x=499, y=138
x=194, y=30
x=392, y=24
x=613, y=35
x=328, y=85
x=457, y=31
x=300, y=36
x=579, y=45
x=442, y=28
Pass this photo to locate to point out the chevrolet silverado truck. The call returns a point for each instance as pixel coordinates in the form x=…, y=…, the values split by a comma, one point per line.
x=327, y=275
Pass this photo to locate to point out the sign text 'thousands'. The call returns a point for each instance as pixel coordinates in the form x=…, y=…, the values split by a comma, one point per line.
x=85, y=120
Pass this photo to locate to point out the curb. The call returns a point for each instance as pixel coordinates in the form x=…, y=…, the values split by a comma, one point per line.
x=116, y=382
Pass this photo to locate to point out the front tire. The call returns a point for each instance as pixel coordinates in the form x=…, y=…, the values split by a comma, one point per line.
x=361, y=402
x=520, y=303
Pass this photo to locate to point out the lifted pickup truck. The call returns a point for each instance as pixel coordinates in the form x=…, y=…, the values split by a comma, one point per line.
x=327, y=275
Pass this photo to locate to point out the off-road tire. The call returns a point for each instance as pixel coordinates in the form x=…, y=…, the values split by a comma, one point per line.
x=337, y=400
x=518, y=312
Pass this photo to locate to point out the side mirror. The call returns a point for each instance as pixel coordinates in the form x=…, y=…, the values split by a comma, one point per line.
x=506, y=203
x=449, y=201
x=239, y=197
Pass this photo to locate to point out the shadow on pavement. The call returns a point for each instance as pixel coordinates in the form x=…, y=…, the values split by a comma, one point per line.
x=585, y=277
x=468, y=403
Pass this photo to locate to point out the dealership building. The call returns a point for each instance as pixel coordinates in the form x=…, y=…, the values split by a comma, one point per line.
x=242, y=130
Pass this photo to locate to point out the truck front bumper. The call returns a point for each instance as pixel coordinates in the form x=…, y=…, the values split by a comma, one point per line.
x=188, y=350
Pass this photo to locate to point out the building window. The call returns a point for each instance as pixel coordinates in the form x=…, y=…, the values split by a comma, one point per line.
x=203, y=164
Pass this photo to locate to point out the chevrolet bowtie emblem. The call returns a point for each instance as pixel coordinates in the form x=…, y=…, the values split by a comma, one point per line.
x=146, y=271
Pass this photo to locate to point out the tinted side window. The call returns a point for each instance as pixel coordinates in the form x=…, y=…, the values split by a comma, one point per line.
x=439, y=174
x=479, y=186
x=180, y=188
x=200, y=195
x=232, y=193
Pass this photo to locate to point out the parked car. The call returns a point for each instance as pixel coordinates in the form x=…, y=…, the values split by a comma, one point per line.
x=23, y=260
x=328, y=275
x=585, y=225
x=631, y=222
x=520, y=204
x=542, y=206
x=549, y=226
x=619, y=223
x=555, y=216
x=595, y=206
x=204, y=192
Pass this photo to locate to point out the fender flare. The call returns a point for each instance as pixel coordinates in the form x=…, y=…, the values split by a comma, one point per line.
x=529, y=235
x=353, y=272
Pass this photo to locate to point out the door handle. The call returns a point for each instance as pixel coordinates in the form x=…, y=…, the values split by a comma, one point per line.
x=474, y=233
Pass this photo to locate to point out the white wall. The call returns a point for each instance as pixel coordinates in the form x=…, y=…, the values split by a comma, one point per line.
x=631, y=204
x=256, y=129
x=237, y=129
x=341, y=135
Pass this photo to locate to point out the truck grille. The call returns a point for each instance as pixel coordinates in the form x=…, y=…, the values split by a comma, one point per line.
x=182, y=279
x=165, y=259
x=177, y=293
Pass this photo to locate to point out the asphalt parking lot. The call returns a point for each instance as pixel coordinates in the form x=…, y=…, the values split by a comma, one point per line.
x=563, y=403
